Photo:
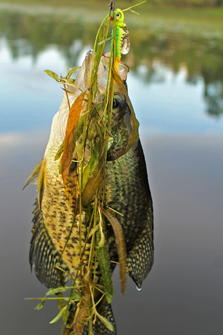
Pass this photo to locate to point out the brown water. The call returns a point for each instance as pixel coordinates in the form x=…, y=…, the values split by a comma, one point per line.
x=183, y=145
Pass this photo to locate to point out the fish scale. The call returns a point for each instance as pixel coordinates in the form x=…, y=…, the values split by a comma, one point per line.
x=44, y=261
x=58, y=210
x=128, y=193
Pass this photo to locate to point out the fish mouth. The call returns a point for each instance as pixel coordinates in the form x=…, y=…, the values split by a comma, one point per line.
x=83, y=78
x=82, y=83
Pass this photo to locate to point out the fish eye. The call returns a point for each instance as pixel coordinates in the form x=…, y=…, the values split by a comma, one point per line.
x=117, y=102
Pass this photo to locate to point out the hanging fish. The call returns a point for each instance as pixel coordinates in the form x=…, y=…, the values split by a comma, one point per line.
x=122, y=37
x=126, y=192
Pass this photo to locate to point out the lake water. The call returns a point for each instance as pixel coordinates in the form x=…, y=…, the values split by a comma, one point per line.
x=176, y=87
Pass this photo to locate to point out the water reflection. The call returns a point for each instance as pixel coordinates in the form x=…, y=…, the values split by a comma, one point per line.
x=182, y=294
x=201, y=54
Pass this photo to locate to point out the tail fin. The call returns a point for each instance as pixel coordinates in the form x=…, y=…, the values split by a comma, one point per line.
x=140, y=258
x=99, y=328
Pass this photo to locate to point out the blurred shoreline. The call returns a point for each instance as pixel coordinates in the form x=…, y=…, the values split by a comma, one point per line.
x=93, y=11
x=177, y=63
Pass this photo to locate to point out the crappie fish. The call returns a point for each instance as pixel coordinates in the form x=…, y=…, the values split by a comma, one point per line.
x=127, y=193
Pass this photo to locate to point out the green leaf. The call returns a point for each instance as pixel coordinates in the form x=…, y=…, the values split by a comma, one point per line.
x=38, y=307
x=70, y=137
x=59, y=289
x=102, y=241
x=138, y=4
x=120, y=242
x=32, y=179
x=52, y=291
x=79, y=147
x=76, y=296
x=52, y=75
x=106, y=40
x=60, y=151
x=106, y=322
x=62, y=304
x=103, y=257
x=91, y=166
x=60, y=314
x=72, y=71
x=131, y=10
x=92, y=184
x=92, y=231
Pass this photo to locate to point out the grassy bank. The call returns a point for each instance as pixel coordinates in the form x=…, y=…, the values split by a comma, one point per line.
x=174, y=8
x=194, y=19
x=216, y=4
x=173, y=3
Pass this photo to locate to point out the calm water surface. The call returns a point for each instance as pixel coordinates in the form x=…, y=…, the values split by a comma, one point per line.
x=176, y=86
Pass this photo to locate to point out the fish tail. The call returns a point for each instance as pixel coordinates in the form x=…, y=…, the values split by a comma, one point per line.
x=43, y=256
x=140, y=258
x=104, y=309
